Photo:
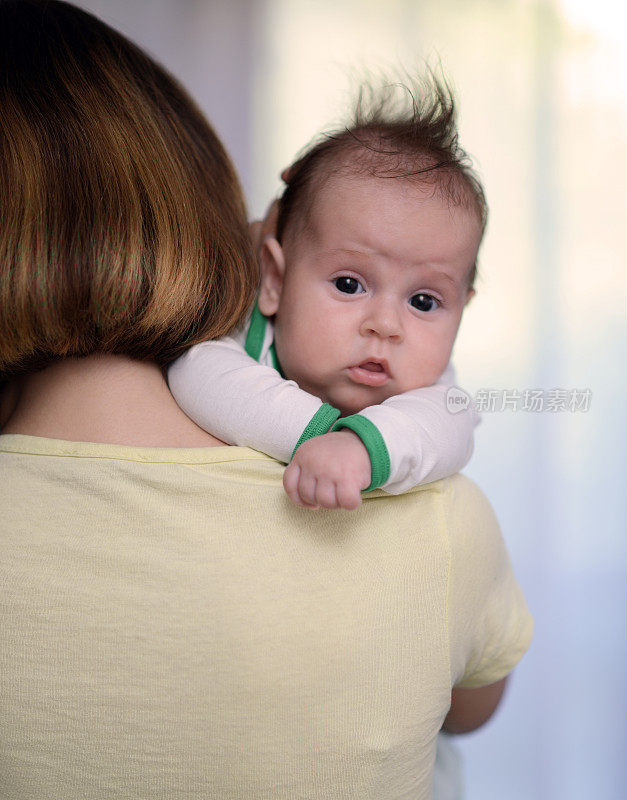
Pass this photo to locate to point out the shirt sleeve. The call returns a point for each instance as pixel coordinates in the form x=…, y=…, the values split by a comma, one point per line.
x=245, y=403
x=414, y=438
x=489, y=624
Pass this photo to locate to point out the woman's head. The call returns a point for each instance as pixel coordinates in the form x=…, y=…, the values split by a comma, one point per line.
x=122, y=224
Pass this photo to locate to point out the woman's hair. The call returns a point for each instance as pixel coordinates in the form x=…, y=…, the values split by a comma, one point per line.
x=399, y=131
x=122, y=223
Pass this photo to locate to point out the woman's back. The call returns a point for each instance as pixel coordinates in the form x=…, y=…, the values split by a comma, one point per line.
x=185, y=632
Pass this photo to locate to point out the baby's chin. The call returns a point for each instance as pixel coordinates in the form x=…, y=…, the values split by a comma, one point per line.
x=356, y=400
x=354, y=405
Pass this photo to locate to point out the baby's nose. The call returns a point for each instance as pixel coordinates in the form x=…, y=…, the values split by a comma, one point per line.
x=383, y=319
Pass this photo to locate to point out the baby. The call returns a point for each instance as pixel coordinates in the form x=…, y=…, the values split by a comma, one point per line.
x=342, y=369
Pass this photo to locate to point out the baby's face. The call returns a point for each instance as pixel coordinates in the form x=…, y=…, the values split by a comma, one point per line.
x=372, y=294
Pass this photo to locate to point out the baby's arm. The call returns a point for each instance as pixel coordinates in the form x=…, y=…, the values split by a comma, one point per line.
x=407, y=440
x=410, y=439
x=413, y=438
x=245, y=403
x=228, y=393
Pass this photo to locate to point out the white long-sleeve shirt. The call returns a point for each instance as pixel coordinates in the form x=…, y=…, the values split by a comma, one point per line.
x=232, y=387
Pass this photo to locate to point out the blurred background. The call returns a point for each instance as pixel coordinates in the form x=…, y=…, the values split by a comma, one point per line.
x=542, y=89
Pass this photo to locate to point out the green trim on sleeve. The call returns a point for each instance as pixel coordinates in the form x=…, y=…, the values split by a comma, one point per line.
x=374, y=444
x=320, y=423
x=256, y=334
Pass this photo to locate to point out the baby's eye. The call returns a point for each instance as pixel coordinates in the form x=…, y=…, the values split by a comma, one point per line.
x=424, y=302
x=348, y=285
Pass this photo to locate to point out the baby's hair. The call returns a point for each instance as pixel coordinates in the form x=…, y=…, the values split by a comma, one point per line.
x=405, y=131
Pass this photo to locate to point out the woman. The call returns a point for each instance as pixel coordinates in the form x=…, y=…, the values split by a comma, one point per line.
x=172, y=627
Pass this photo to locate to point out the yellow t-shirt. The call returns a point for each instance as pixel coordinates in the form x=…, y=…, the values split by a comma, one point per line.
x=173, y=627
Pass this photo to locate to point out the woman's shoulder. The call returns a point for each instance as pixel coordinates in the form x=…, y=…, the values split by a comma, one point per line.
x=468, y=519
x=453, y=493
x=460, y=488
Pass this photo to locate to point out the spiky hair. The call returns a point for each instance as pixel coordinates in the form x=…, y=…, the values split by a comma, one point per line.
x=399, y=130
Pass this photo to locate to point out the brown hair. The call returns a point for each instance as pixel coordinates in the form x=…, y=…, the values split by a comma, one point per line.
x=122, y=223
x=398, y=131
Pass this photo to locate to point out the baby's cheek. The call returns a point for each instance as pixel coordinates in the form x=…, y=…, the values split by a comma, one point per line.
x=302, y=368
x=436, y=357
x=287, y=353
x=421, y=374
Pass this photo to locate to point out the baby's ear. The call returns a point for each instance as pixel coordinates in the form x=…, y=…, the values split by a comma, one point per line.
x=272, y=264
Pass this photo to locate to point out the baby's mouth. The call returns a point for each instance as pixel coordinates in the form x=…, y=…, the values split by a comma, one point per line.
x=372, y=366
x=370, y=373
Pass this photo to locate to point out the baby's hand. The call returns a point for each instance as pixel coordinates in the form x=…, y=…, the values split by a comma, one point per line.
x=329, y=471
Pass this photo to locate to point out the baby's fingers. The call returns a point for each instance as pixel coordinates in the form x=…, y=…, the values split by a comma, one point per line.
x=306, y=492
x=348, y=495
x=326, y=494
x=291, y=479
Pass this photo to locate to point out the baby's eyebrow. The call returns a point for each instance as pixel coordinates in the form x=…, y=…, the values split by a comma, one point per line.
x=343, y=251
x=444, y=275
x=447, y=283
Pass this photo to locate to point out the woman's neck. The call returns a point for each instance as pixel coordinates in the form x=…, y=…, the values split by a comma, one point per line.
x=104, y=398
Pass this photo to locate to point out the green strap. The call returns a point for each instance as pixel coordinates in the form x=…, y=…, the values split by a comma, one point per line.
x=320, y=423
x=275, y=360
x=374, y=444
x=256, y=334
